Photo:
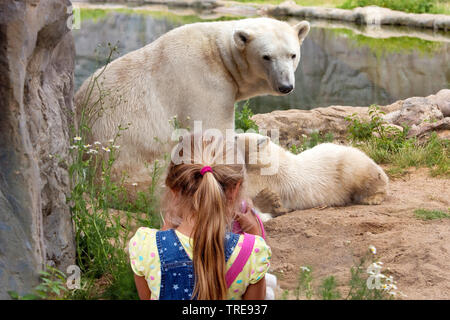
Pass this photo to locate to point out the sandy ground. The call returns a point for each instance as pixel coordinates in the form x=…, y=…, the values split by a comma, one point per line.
x=331, y=240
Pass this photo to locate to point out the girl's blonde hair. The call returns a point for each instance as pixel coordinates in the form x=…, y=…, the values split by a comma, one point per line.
x=206, y=197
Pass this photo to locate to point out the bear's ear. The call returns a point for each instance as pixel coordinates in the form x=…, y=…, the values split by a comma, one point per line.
x=302, y=29
x=242, y=38
x=262, y=141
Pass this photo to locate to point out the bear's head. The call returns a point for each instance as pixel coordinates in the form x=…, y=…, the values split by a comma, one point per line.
x=259, y=152
x=271, y=49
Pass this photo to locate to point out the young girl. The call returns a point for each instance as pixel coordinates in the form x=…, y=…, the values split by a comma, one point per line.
x=198, y=258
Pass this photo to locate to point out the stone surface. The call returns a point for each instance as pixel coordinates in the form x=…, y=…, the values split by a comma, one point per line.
x=36, y=95
x=292, y=124
x=422, y=114
x=366, y=15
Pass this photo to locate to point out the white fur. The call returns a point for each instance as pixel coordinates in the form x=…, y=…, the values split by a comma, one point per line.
x=194, y=72
x=326, y=175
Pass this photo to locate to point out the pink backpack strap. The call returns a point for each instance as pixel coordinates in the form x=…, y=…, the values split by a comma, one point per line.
x=241, y=260
x=261, y=225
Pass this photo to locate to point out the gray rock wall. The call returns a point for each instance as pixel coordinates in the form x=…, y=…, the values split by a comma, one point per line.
x=36, y=105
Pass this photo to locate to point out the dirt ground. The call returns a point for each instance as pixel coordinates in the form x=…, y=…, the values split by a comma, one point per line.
x=331, y=240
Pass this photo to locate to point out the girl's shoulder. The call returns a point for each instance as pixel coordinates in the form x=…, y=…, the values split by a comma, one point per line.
x=143, y=237
x=143, y=250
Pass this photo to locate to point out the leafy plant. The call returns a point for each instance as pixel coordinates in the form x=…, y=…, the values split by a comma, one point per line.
x=313, y=140
x=51, y=286
x=390, y=145
x=359, y=289
x=242, y=118
x=328, y=289
x=101, y=232
x=304, y=283
x=367, y=282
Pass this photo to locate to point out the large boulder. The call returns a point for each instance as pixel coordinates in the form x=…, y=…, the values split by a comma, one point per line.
x=370, y=15
x=293, y=124
x=36, y=106
x=421, y=114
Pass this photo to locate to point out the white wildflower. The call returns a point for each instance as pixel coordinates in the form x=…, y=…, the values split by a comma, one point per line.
x=77, y=138
x=373, y=249
x=111, y=140
x=305, y=269
x=116, y=147
x=106, y=149
x=134, y=184
x=87, y=146
x=97, y=143
x=73, y=147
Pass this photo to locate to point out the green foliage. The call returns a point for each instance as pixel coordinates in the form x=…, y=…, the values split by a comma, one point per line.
x=359, y=289
x=382, y=46
x=367, y=282
x=98, y=14
x=425, y=214
x=412, y=6
x=242, y=118
x=328, y=289
x=385, y=136
x=123, y=288
x=51, y=286
x=304, y=283
x=92, y=14
x=389, y=145
x=101, y=234
x=313, y=140
x=285, y=295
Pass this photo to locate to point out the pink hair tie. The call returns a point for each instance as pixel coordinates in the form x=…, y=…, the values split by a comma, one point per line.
x=205, y=169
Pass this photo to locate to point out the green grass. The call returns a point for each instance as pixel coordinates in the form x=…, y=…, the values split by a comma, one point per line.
x=380, y=46
x=102, y=233
x=425, y=214
x=364, y=271
x=388, y=145
x=413, y=6
x=308, y=142
x=99, y=14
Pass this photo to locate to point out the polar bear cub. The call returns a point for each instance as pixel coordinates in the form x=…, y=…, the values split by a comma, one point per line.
x=326, y=175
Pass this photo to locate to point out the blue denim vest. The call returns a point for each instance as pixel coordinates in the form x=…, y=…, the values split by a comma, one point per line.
x=177, y=269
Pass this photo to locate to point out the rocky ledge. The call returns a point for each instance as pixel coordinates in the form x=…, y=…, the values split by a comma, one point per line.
x=371, y=15
x=421, y=114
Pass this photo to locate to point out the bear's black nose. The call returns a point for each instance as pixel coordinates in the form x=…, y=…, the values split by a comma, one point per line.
x=285, y=89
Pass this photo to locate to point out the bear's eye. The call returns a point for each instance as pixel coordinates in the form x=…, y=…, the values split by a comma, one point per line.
x=266, y=57
x=294, y=56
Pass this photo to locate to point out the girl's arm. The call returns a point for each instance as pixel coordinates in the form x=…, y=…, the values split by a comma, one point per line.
x=142, y=288
x=256, y=291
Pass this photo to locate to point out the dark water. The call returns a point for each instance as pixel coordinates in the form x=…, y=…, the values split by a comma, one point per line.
x=338, y=66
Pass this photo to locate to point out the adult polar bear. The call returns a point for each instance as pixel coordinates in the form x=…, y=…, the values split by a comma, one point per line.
x=194, y=72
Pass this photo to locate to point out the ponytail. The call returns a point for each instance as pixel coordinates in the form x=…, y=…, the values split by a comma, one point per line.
x=202, y=191
x=209, y=234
